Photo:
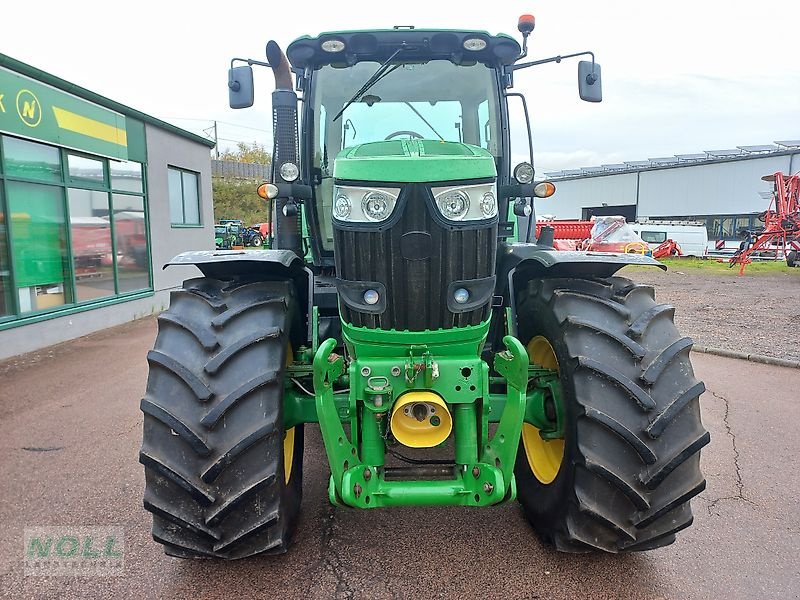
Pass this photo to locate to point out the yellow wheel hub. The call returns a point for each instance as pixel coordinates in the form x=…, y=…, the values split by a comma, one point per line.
x=288, y=436
x=288, y=453
x=544, y=456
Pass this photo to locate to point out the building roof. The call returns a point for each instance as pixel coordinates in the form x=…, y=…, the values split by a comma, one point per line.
x=783, y=148
x=72, y=88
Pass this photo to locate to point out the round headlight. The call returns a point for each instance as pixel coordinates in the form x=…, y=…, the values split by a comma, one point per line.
x=523, y=172
x=342, y=207
x=371, y=297
x=289, y=171
x=488, y=205
x=375, y=206
x=474, y=44
x=454, y=205
x=461, y=296
x=332, y=45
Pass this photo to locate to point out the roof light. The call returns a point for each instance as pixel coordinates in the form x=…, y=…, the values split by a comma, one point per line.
x=332, y=45
x=474, y=44
x=526, y=24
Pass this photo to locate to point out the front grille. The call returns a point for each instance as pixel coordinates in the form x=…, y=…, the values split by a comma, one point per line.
x=416, y=287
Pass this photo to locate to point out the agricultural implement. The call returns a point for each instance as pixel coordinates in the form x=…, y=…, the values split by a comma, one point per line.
x=445, y=362
x=781, y=224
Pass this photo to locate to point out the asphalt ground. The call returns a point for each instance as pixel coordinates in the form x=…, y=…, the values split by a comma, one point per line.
x=70, y=436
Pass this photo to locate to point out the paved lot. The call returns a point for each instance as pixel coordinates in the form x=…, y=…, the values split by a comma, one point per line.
x=79, y=402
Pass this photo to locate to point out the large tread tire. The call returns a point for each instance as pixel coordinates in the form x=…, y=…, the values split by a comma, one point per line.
x=633, y=431
x=213, y=435
x=791, y=258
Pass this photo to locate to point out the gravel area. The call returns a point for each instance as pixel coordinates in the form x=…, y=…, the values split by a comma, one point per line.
x=755, y=314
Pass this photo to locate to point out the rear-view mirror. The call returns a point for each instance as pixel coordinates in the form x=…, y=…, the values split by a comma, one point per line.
x=589, y=81
x=240, y=87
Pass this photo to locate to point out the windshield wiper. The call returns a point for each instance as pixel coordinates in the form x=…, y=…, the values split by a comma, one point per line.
x=376, y=76
x=419, y=114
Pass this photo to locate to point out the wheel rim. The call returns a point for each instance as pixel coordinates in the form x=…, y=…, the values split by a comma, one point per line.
x=544, y=456
x=288, y=436
x=288, y=454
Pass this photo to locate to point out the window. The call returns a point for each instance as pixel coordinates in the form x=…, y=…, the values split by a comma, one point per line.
x=29, y=160
x=6, y=305
x=73, y=229
x=654, y=237
x=126, y=176
x=85, y=170
x=92, y=252
x=40, y=245
x=184, y=197
x=130, y=235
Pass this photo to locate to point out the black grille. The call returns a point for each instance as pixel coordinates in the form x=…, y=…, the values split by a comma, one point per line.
x=416, y=287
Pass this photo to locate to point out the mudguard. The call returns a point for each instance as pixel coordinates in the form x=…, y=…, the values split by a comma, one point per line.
x=224, y=264
x=519, y=263
x=259, y=265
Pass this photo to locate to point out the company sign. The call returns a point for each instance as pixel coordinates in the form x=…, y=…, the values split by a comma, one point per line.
x=34, y=110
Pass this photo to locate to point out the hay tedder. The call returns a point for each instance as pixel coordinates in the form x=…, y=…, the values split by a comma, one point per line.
x=781, y=224
x=444, y=362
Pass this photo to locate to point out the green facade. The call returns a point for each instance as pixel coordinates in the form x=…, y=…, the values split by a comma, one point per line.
x=33, y=110
x=74, y=230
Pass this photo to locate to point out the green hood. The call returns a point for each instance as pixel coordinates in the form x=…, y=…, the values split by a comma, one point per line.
x=413, y=161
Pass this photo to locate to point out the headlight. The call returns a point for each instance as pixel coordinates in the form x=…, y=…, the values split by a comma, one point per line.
x=376, y=206
x=342, y=207
x=466, y=202
x=363, y=205
x=289, y=171
x=453, y=204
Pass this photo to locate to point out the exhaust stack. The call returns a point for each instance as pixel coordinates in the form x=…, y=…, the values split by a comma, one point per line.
x=287, y=232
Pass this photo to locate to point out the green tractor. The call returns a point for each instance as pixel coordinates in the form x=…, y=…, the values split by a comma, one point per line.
x=448, y=358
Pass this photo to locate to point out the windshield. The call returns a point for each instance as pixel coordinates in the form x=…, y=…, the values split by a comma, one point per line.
x=435, y=100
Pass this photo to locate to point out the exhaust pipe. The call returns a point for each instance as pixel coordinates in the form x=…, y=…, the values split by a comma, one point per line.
x=287, y=232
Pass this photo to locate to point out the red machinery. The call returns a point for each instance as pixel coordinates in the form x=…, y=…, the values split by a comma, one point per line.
x=667, y=248
x=781, y=221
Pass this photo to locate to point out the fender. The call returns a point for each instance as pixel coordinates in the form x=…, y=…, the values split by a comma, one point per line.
x=518, y=263
x=263, y=265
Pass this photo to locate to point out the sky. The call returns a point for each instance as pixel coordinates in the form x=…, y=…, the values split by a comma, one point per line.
x=679, y=77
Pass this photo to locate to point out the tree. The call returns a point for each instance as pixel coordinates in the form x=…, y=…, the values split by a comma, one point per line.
x=237, y=198
x=248, y=153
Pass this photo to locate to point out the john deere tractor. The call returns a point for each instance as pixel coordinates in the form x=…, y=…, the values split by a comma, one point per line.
x=448, y=358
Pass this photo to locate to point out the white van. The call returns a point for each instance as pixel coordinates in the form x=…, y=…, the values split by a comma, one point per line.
x=692, y=239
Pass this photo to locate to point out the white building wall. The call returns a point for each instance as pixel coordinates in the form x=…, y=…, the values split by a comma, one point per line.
x=575, y=194
x=702, y=189
x=711, y=189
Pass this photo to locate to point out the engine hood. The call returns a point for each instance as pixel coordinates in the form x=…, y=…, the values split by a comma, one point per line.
x=413, y=161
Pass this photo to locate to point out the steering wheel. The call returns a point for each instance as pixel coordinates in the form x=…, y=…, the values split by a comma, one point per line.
x=413, y=134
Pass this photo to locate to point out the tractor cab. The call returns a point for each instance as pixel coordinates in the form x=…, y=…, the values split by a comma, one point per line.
x=398, y=97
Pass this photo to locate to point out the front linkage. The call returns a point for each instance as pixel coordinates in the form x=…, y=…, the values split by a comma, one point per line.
x=398, y=385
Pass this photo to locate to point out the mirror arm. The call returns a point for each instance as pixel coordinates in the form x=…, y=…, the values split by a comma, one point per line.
x=250, y=62
x=555, y=59
x=234, y=85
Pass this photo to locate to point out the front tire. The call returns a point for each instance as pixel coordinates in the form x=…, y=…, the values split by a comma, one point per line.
x=630, y=461
x=222, y=476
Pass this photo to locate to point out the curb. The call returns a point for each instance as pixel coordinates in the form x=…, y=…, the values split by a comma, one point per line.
x=757, y=358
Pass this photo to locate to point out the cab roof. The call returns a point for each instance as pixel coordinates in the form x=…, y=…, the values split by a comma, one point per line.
x=420, y=44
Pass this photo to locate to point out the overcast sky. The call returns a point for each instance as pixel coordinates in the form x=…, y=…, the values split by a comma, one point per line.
x=679, y=77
